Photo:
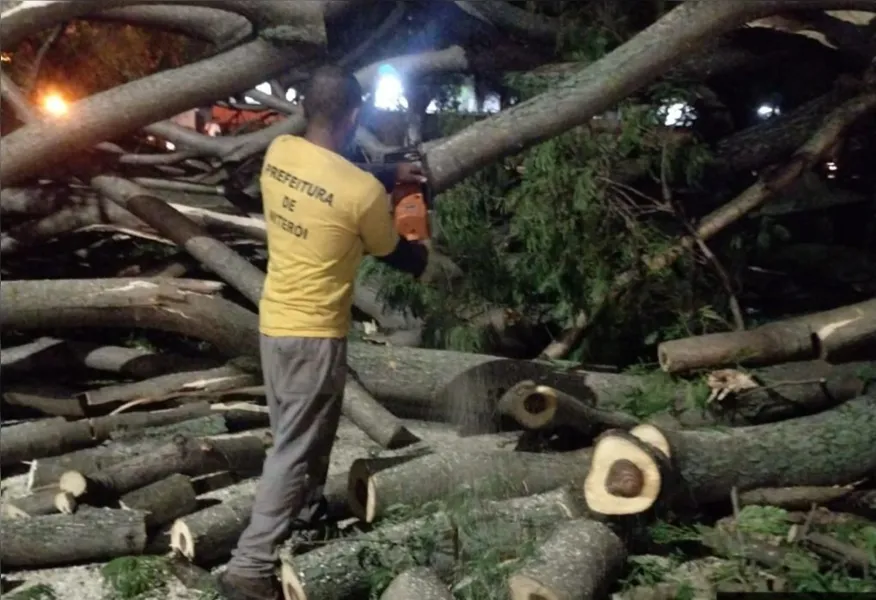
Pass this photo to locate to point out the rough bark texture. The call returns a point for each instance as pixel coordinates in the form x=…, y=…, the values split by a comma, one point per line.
x=39, y=502
x=577, y=562
x=337, y=570
x=837, y=446
x=199, y=427
x=180, y=306
x=46, y=399
x=47, y=471
x=489, y=475
x=242, y=456
x=371, y=417
x=104, y=427
x=46, y=437
x=830, y=335
x=220, y=378
x=163, y=501
x=784, y=392
x=420, y=583
x=57, y=540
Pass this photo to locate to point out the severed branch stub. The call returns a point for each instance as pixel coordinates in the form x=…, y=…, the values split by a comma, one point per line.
x=626, y=475
x=540, y=406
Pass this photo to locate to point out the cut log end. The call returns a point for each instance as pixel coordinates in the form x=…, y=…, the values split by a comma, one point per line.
x=531, y=405
x=624, y=477
x=370, y=502
x=74, y=483
x=653, y=436
x=66, y=503
x=292, y=588
x=526, y=588
x=181, y=539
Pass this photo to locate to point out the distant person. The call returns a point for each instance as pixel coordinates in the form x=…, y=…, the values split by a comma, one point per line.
x=322, y=214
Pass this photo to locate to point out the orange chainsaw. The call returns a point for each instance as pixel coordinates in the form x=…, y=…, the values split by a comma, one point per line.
x=411, y=202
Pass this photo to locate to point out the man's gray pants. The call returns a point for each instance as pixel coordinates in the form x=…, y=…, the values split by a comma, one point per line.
x=304, y=384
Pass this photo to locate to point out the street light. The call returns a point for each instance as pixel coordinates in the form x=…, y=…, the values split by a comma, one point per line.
x=55, y=105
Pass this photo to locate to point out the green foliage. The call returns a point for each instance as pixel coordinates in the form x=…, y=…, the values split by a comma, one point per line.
x=40, y=591
x=135, y=578
x=547, y=232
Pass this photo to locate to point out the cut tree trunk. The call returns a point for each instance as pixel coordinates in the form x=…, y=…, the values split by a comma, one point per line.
x=540, y=406
x=46, y=437
x=209, y=535
x=48, y=354
x=488, y=475
x=47, y=399
x=220, y=378
x=833, y=335
x=163, y=501
x=105, y=427
x=420, y=583
x=834, y=447
x=38, y=502
x=782, y=392
x=58, y=540
x=579, y=561
x=243, y=416
x=372, y=418
x=337, y=570
x=200, y=427
x=188, y=456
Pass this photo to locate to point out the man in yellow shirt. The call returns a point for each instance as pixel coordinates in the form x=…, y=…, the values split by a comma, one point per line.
x=323, y=214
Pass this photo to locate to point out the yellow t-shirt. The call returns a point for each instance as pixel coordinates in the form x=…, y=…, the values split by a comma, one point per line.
x=322, y=215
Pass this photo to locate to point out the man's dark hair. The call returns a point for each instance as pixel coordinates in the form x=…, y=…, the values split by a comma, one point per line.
x=331, y=94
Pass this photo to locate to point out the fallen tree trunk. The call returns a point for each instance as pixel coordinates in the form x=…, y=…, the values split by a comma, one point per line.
x=39, y=502
x=779, y=392
x=46, y=437
x=835, y=447
x=188, y=456
x=220, y=378
x=163, y=501
x=540, y=406
x=58, y=540
x=47, y=399
x=579, y=561
x=48, y=354
x=419, y=582
x=494, y=475
x=209, y=425
x=337, y=570
x=209, y=535
x=829, y=335
x=372, y=418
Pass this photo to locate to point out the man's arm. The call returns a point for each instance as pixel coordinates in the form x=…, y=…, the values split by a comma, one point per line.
x=385, y=174
x=382, y=241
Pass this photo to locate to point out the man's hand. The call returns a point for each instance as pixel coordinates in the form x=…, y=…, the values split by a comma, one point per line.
x=410, y=172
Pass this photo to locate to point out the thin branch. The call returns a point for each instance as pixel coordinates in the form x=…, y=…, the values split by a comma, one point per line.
x=32, y=76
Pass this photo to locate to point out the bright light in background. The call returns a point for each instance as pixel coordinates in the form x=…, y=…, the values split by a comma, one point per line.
x=389, y=91
x=291, y=95
x=765, y=111
x=675, y=114
x=170, y=145
x=55, y=105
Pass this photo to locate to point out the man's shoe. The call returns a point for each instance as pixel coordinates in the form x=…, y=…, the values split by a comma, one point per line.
x=235, y=587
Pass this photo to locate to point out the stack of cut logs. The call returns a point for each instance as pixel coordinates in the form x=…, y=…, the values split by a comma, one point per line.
x=123, y=469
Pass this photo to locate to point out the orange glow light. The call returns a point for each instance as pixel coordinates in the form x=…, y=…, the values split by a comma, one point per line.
x=55, y=105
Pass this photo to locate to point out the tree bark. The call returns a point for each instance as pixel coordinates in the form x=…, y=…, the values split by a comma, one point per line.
x=47, y=399
x=835, y=447
x=633, y=65
x=134, y=363
x=579, y=561
x=371, y=417
x=209, y=535
x=38, y=502
x=46, y=437
x=242, y=456
x=208, y=425
x=337, y=570
x=220, y=378
x=495, y=475
x=163, y=501
x=419, y=582
x=184, y=306
x=58, y=540
x=828, y=335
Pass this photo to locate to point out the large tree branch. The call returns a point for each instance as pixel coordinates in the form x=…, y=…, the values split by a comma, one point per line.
x=512, y=19
x=208, y=24
x=596, y=88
